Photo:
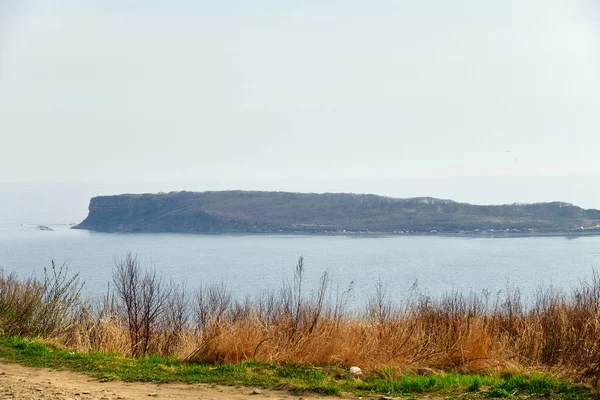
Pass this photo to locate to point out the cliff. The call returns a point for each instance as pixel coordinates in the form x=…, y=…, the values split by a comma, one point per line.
x=280, y=212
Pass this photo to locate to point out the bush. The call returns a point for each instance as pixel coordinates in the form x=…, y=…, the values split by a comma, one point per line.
x=32, y=307
x=143, y=297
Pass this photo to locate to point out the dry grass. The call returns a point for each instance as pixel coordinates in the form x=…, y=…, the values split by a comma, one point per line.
x=555, y=332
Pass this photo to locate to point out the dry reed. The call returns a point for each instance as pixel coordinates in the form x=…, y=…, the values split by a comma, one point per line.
x=555, y=331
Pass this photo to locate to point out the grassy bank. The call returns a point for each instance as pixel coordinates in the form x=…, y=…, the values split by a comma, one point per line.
x=145, y=318
x=330, y=380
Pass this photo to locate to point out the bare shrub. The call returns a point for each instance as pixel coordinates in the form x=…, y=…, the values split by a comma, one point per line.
x=142, y=296
x=212, y=302
x=175, y=320
x=31, y=307
x=19, y=301
x=59, y=302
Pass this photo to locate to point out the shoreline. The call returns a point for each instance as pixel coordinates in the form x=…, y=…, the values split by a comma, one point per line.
x=465, y=234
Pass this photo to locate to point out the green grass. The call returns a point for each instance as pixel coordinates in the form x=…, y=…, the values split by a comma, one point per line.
x=329, y=380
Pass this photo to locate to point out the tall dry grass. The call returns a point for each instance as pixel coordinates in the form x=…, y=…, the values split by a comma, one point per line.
x=554, y=331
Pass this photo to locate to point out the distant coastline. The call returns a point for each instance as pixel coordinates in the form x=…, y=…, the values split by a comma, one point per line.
x=244, y=212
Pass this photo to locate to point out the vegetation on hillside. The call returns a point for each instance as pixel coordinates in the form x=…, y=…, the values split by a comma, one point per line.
x=276, y=212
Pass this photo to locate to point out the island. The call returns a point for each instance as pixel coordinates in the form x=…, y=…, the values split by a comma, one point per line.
x=244, y=212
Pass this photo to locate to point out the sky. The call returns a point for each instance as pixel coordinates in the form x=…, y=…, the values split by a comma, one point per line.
x=479, y=101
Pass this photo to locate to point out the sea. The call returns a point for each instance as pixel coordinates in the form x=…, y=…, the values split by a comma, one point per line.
x=252, y=264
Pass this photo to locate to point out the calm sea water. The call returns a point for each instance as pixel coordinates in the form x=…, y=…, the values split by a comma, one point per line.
x=249, y=264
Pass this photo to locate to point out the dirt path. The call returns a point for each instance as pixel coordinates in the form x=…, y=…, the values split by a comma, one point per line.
x=18, y=382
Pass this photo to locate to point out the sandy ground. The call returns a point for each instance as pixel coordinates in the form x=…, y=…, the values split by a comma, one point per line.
x=17, y=382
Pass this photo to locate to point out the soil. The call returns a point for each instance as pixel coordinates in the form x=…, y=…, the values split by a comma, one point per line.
x=18, y=382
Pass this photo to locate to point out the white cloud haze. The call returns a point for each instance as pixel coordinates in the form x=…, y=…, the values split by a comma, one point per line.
x=282, y=92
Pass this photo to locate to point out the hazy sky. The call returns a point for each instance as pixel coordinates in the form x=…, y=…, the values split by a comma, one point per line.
x=242, y=93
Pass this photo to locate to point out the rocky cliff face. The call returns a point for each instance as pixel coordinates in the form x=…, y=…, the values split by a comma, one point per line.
x=271, y=212
x=174, y=212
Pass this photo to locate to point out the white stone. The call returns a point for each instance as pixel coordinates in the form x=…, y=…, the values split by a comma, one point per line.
x=355, y=371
